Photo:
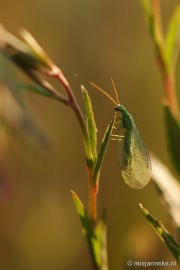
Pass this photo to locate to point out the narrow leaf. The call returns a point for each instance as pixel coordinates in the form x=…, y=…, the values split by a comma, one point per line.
x=90, y=122
x=101, y=244
x=153, y=18
x=148, y=13
x=103, y=150
x=88, y=230
x=28, y=55
x=173, y=134
x=173, y=39
x=163, y=233
x=85, y=222
x=17, y=51
x=149, y=16
x=15, y=110
x=36, y=49
x=35, y=89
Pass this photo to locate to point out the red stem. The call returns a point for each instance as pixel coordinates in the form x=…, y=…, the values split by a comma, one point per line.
x=169, y=82
x=93, y=189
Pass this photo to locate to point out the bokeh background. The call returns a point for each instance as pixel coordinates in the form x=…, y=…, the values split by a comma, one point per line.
x=97, y=40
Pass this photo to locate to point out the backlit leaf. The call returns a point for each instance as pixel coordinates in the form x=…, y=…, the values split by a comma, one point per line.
x=163, y=233
x=173, y=39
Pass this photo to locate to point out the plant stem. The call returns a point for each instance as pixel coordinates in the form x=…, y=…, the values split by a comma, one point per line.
x=93, y=203
x=168, y=75
x=48, y=87
x=158, y=31
x=93, y=189
x=169, y=85
x=93, y=185
x=57, y=73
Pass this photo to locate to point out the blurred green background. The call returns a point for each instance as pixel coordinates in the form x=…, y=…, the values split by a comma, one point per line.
x=97, y=40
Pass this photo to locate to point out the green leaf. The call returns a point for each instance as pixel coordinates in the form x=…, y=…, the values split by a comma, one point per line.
x=148, y=12
x=153, y=18
x=100, y=245
x=93, y=235
x=103, y=150
x=163, y=233
x=90, y=122
x=85, y=222
x=172, y=41
x=20, y=115
x=173, y=134
x=146, y=4
x=35, y=89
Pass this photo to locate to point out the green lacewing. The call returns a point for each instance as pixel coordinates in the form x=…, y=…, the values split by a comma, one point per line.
x=134, y=158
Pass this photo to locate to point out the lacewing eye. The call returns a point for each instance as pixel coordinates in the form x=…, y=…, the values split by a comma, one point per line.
x=134, y=158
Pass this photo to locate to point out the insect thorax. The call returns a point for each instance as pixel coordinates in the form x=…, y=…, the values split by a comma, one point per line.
x=127, y=119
